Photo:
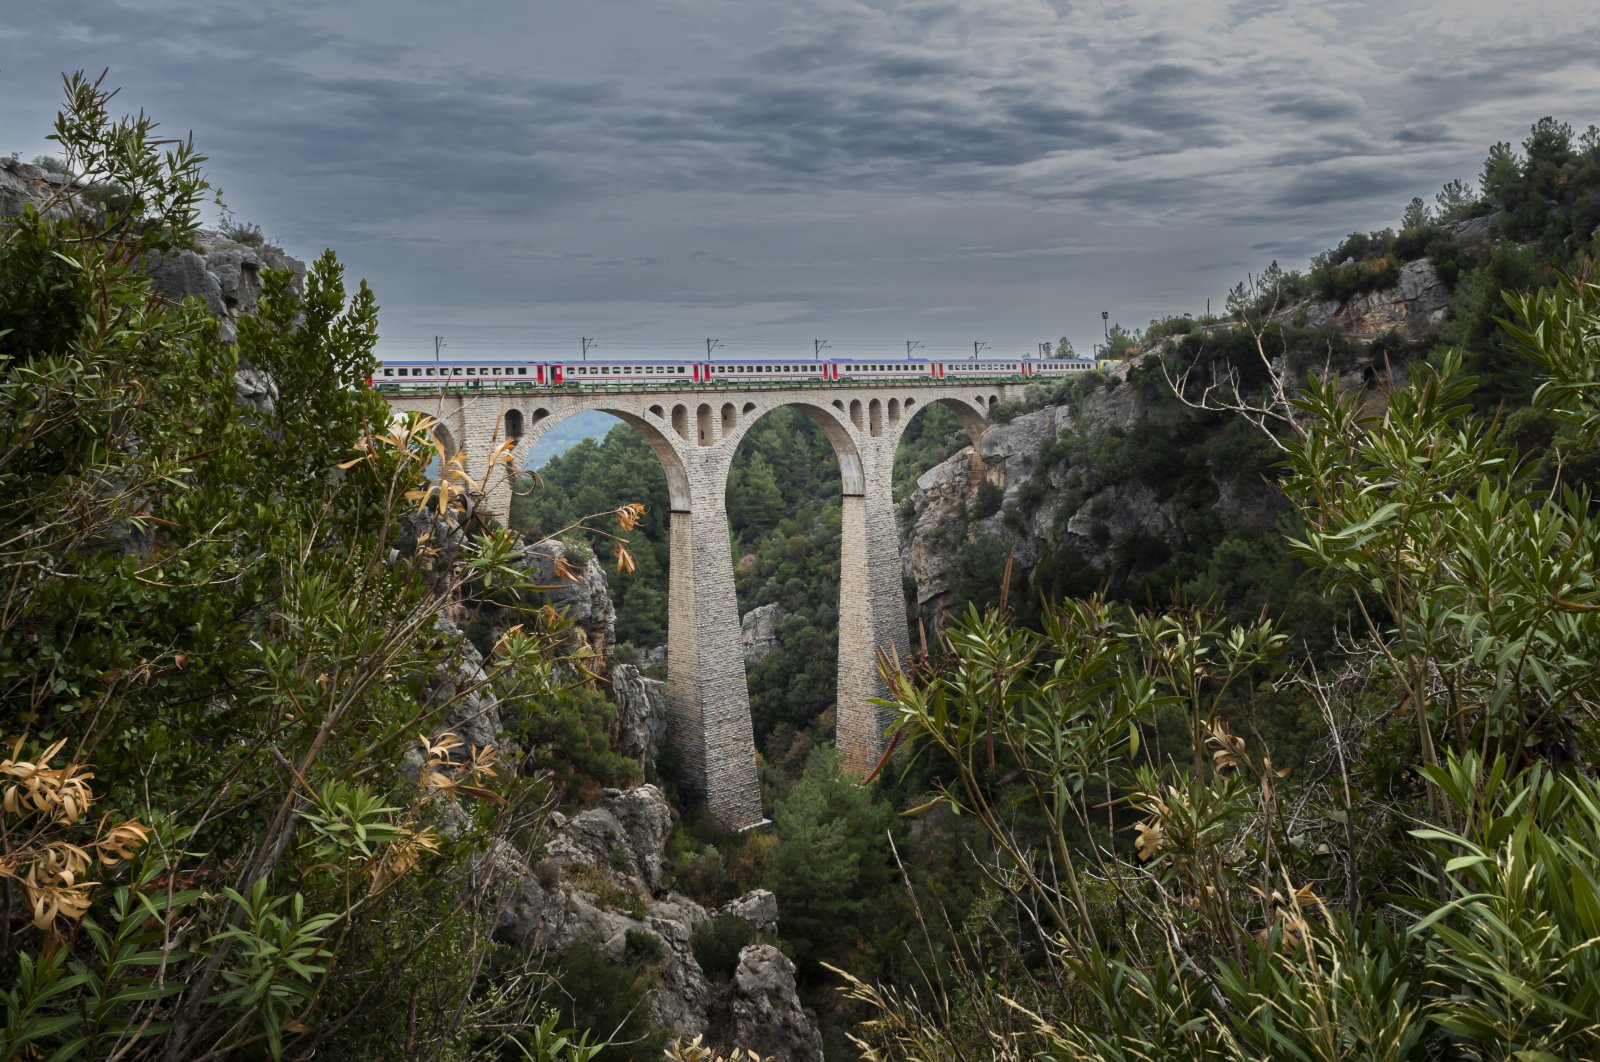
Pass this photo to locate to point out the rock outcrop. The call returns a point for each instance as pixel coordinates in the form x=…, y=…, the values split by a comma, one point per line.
x=758, y=630
x=641, y=715
x=1414, y=306
x=22, y=183
x=223, y=273
x=602, y=878
x=586, y=600
x=767, y=1018
x=1049, y=506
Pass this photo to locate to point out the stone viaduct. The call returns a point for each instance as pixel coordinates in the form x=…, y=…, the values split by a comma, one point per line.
x=695, y=431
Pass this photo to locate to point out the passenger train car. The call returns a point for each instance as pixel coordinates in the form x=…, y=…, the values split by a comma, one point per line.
x=495, y=374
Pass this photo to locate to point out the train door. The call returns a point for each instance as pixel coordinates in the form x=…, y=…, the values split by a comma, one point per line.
x=558, y=374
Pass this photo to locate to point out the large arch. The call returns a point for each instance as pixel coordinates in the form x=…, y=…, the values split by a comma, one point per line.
x=973, y=416
x=870, y=615
x=540, y=420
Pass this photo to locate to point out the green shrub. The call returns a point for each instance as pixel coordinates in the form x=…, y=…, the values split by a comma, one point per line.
x=986, y=502
x=717, y=942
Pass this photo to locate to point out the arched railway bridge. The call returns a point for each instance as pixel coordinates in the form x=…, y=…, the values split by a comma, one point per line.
x=695, y=432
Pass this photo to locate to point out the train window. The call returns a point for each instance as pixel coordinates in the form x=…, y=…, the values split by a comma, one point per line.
x=522, y=370
x=472, y=371
x=388, y=372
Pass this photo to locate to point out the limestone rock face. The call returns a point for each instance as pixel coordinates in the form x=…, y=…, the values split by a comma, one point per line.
x=587, y=602
x=225, y=274
x=601, y=878
x=1069, y=509
x=641, y=715
x=766, y=1016
x=758, y=907
x=758, y=630
x=22, y=183
x=939, y=528
x=1414, y=307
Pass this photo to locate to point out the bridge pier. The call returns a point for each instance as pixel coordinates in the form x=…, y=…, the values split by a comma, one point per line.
x=872, y=614
x=708, y=702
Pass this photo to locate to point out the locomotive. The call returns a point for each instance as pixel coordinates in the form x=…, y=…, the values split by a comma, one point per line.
x=500, y=373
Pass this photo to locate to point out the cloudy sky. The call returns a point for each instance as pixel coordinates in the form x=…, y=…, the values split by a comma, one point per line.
x=521, y=173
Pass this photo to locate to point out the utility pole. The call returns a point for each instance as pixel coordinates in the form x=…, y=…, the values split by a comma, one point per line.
x=817, y=347
x=1044, y=350
x=438, y=342
x=587, y=343
x=912, y=344
x=1105, y=323
x=712, y=344
x=978, y=348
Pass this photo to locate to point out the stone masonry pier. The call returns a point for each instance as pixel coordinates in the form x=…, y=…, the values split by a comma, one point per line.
x=695, y=432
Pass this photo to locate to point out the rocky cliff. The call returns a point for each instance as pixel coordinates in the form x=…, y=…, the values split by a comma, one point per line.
x=1118, y=478
x=223, y=273
x=602, y=877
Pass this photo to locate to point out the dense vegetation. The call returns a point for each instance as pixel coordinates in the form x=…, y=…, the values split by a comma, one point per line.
x=1428, y=885
x=233, y=824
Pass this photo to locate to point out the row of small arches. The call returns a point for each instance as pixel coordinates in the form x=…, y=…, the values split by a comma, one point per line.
x=871, y=417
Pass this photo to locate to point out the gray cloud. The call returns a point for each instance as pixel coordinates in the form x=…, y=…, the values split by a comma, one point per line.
x=1004, y=168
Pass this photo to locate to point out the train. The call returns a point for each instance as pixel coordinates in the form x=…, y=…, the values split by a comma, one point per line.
x=502, y=373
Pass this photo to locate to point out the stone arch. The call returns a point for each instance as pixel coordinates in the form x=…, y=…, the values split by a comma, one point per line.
x=855, y=413
x=972, y=415
x=857, y=727
x=833, y=427
x=658, y=440
x=680, y=421
x=447, y=438
x=513, y=424
x=875, y=417
x=729, y=419
x=658, y=411
x=702, y=421
x=749, y=408
x=994, y=400
x=894, y=412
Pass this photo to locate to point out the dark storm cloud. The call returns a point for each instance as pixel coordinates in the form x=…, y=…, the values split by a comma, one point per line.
x=498, y=165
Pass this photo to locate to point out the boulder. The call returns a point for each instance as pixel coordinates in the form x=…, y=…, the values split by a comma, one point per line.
x=758, y=907
x=758, y=630
x=767, y=1016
